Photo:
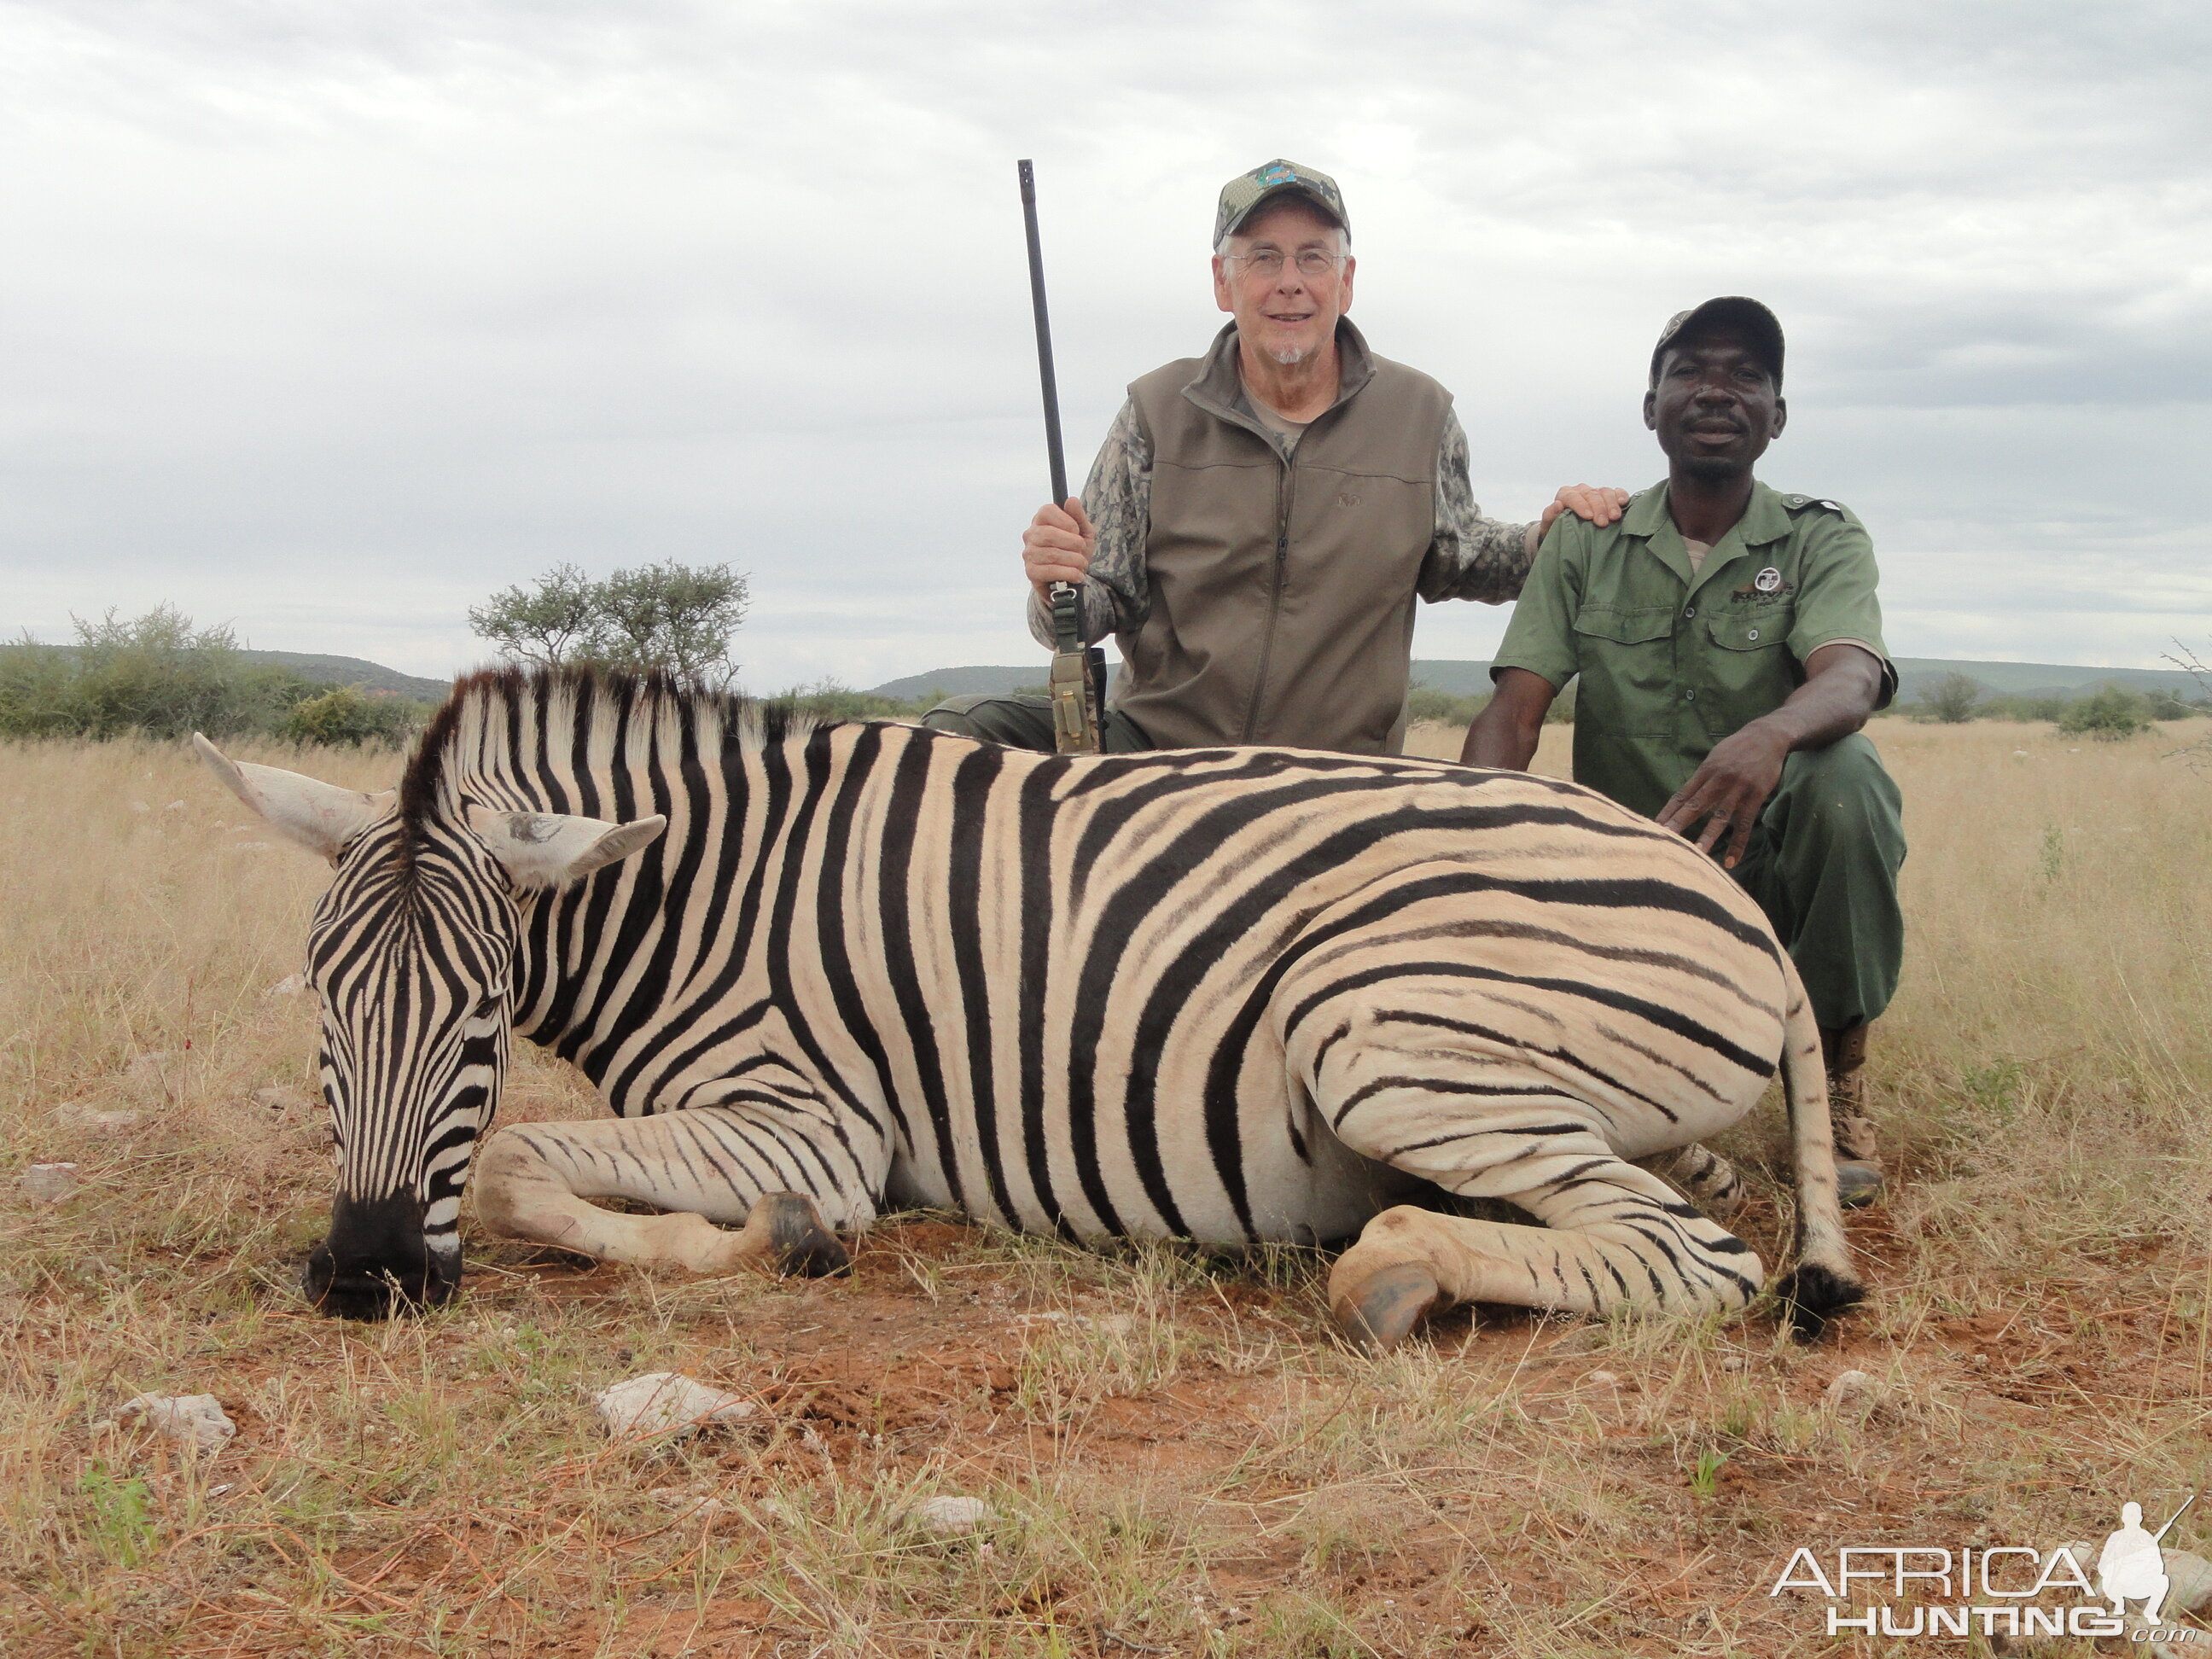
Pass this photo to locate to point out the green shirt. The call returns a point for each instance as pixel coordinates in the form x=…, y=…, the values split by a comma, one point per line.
x=1671, y=660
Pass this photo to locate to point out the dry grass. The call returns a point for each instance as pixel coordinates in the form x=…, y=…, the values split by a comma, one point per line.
x=1181, y=1459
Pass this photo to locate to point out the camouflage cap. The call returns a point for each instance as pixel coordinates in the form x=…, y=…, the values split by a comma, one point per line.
x=1754, y=318
x=1241, y=196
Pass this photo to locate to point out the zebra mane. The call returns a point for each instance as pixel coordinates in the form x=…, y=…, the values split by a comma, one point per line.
x=599, y=703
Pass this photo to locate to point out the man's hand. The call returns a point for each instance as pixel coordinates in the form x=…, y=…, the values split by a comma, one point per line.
x=1600, y=503
x=1057, y=546
x=1727, y=793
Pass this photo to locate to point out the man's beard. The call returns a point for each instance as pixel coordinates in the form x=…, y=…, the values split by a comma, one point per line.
x=1289, y=356
x=1716, y=469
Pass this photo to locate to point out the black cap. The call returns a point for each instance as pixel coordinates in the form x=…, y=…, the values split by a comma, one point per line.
x=1754, y=318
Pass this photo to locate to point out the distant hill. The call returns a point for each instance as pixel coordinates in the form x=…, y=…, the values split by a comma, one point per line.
x=963, y=681
x=353, y=671
x=1459, y=679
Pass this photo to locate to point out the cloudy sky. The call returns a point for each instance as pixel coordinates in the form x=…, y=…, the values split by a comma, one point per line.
x=328, y=321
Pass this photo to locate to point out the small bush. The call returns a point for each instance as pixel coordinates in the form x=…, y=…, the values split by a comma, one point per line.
x=1952, y=701
x=348, y=715
x=2110, y=715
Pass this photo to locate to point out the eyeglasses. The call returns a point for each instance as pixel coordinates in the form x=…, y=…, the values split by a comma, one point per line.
x=1269, y=261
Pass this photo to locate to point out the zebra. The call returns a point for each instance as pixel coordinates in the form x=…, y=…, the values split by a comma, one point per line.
x=822, y=968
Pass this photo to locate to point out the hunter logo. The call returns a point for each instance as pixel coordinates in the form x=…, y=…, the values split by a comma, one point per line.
x=1347, y=499
x=1768, y=581
x=2008, y=1590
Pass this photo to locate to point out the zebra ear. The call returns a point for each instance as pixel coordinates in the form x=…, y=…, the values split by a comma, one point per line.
x=320, y=817
x=551, y=849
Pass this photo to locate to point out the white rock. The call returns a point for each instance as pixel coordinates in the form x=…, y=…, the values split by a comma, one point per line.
x=1601, y=1379
x=949, y=1515
x=1853, y=1391
x=174, y=806
x=195, y=1421
x=140, y=807
x=50, y=1182
x=290, y=986
x=662, y=1402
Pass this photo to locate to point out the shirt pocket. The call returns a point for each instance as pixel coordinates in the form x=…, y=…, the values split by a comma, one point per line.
x=1626, y=656
x=1750, y=669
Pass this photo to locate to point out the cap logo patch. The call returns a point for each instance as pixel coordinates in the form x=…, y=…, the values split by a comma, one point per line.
x=1768, y=581
x=1279, y=175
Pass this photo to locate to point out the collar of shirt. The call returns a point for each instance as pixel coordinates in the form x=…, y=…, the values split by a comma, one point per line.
x=1220, y=387
x=1764, y=521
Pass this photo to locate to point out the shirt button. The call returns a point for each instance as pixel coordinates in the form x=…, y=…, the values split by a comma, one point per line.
x=1754, y=633
x=1690, y=696
x=1689, y=611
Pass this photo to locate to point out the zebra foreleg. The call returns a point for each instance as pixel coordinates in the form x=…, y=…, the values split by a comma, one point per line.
x=535, y=1181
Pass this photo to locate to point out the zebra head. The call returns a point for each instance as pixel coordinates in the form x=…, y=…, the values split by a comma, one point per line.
x=412, y=955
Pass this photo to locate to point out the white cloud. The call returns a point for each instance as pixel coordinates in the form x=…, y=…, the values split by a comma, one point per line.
x=330, y=320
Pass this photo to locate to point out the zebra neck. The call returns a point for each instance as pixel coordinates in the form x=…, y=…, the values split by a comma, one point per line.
x=612, y=974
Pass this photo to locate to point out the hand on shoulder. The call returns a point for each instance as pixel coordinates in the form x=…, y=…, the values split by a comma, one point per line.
x=1599, y=503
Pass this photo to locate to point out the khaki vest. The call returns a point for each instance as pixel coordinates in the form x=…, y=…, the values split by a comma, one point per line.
x=1282, y=592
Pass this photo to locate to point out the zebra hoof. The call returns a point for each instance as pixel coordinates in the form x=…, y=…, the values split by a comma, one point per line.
x=1377, y=1315
x=797, y=1243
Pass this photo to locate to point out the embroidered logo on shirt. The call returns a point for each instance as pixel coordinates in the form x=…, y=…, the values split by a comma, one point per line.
x=1768, y=581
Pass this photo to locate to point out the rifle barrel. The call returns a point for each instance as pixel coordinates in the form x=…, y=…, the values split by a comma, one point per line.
x=1057, y=456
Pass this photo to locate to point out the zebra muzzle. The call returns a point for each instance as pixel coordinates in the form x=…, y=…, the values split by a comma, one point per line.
x=376, y=1261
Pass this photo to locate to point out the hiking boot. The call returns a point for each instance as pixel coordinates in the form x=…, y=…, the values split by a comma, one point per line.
x=1858, y=1161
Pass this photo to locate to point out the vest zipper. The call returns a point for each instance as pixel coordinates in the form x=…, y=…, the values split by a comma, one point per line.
x=1283, y=490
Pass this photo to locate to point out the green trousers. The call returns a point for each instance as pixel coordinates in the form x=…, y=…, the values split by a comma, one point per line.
x=1022, y=719
x=1823, y=863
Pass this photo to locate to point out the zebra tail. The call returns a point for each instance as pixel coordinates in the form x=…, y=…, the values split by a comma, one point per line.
x=1822, y=1284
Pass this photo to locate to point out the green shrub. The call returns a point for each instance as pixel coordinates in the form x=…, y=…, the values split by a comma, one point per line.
x=2109, y=714
x=350, y=715
x=1952, y=701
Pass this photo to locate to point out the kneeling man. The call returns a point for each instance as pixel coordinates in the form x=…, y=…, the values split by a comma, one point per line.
x=1728, y=641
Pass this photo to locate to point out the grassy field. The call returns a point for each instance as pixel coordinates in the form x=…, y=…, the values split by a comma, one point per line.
x=1180, y=1459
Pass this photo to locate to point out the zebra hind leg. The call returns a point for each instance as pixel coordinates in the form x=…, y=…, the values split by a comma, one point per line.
x=1612, y=1236
x=536, y=1181
x=1702, y=1176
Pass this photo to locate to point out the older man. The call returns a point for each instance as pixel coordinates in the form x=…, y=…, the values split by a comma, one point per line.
x=1727, y=643
x=1260, y=520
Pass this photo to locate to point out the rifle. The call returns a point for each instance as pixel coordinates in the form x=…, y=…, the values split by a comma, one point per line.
x=2178, y=1514
x=1078, y=682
